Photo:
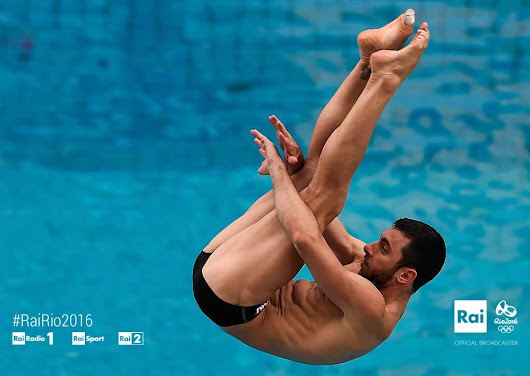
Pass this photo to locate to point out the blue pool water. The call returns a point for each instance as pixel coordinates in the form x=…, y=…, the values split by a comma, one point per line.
x=124, y=149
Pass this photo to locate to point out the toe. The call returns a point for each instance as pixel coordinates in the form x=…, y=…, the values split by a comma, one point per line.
x=408, y=17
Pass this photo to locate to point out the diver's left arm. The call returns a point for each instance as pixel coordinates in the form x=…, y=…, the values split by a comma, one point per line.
x=348, y=249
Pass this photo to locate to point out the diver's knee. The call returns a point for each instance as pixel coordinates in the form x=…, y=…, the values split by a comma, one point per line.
x=326, y=204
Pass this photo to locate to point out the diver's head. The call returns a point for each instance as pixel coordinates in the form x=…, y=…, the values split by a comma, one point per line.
x=410, y=253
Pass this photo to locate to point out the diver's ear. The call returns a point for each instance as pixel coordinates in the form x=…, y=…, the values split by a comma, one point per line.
x=406, y=275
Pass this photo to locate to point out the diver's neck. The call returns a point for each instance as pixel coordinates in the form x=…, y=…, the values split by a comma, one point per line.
x=395, y=295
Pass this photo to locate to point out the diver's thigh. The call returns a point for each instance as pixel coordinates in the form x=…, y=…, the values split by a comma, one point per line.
x=251, y=265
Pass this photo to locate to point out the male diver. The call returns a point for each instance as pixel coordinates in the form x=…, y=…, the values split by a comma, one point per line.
x=243, y=280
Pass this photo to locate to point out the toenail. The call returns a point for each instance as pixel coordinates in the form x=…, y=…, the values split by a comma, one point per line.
x=409, y=17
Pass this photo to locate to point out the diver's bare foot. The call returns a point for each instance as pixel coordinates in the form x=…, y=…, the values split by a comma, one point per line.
x=389, y=37
x=395, y=66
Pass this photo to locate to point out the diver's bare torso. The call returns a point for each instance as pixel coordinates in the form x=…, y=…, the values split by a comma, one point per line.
x=301, y=323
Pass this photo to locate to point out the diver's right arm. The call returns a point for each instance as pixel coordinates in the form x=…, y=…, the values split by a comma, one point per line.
x=353, y=294
x=347, y=248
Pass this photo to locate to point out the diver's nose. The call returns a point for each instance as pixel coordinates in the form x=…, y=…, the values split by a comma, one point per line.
x=367, y=249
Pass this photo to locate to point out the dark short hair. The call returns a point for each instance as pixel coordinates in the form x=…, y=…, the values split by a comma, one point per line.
x=425, y=252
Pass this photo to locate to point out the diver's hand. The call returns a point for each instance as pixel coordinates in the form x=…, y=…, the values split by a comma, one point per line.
x=293, y=155
x=272, y=163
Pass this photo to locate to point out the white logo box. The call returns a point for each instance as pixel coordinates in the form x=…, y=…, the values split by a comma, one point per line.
x=130, y=338
x=471, y=316
x=18, y=338
x=78, y=338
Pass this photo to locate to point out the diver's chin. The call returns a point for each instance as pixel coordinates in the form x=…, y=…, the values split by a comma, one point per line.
x=364, y=271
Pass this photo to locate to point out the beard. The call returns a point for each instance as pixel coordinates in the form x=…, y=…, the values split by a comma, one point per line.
x=381, y=278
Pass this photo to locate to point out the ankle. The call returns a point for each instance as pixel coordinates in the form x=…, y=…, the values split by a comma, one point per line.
x=387, y=81
x=364, y=61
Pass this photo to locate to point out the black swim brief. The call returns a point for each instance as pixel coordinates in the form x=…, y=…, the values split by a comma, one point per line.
x=219, y=311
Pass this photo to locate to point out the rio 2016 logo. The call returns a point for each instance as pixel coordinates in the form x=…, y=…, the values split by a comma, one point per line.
x=505, y=325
